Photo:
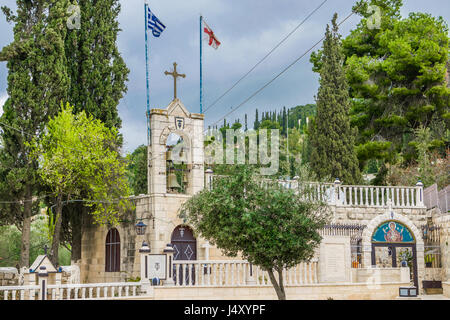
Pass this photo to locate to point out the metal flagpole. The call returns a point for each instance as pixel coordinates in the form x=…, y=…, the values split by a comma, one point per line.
x=146, y=68
x=287, y=142
x=201, y=71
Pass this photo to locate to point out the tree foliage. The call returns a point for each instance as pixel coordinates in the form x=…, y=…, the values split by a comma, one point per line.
x=77, y=153
x=137, y=170
x=98, y=76
x=267, y=224
x=34, y=97
x=97, y=71
x=398, y=77
x=332, y=138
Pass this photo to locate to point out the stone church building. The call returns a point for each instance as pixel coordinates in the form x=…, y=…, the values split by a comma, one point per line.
x=386, y=227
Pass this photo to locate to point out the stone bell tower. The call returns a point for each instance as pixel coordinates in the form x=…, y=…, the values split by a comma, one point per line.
x=175, y=166
x=177, y=120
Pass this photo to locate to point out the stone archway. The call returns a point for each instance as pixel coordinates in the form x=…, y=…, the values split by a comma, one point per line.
x=377, y=221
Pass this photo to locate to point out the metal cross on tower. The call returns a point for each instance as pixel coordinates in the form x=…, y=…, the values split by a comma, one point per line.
x=175, y=75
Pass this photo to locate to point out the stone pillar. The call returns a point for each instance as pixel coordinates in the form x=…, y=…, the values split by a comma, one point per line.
x=43, y=282
x=337, y=200
x=208, y=178
x=58, y=278
x=404, y=274
x=206, y=246
x=168, y=250
x=419, y=193
x=366, y=256
x=250, y=275
x=145, y=282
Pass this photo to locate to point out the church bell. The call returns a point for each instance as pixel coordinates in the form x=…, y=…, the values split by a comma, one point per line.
x=169, y=155
x=173, y=183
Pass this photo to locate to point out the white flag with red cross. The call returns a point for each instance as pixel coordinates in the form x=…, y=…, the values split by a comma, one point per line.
x=211, y=37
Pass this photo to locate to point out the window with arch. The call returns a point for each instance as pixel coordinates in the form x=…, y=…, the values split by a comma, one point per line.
x=112, y=248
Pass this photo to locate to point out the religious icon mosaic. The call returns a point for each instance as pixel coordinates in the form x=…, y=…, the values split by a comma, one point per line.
x=392, y=231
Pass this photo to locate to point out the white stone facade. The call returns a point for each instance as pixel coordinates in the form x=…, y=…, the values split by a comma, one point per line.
x=159, y=210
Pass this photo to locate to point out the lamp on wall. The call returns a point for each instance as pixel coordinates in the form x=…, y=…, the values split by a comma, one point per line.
x=140, y=228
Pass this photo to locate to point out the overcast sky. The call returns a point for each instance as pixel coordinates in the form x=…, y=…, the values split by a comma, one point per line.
x=247, y=29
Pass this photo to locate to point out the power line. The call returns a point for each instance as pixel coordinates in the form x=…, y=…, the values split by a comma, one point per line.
x=35, y=135
x=26, y=200
x=267, y=55
x=277, y=76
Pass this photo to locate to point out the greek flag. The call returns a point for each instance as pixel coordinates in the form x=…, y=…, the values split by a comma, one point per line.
x=154, y=24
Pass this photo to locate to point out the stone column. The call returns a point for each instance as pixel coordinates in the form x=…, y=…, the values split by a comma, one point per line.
x=168, y=250
x=404, y=274
x=250, y=275
x=43, y=283
x=206, y=246
x=419, y=194
x=208, y=178
x=145, y=282
x=337, y=200
x=58, y=278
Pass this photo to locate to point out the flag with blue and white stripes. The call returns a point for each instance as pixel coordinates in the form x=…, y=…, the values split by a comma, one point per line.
x=154, y=24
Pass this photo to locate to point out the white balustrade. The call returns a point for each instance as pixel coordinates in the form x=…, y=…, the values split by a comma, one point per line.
x=235, y=273
x=80, y=291
x=356, y=195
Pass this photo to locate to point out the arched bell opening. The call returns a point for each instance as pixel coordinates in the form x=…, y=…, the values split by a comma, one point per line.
x=177, y=164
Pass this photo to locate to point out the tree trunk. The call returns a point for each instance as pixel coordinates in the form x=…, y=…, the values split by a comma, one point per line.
x=77, y=221
x=26, y=229
x=279, y=289
x=57, y=231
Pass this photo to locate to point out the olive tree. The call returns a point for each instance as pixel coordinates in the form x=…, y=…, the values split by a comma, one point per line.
x=267, y=224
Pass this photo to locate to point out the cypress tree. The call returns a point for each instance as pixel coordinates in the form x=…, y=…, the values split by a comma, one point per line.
x=256, y=123
x=332, y=139
x=37, y=84
x=98, y=76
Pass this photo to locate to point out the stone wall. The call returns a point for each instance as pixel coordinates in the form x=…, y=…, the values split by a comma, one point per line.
x=373, y=275
x=9, y=277
x=443, y=221
x=345, y=291
x=363, y=215
x=446, y=288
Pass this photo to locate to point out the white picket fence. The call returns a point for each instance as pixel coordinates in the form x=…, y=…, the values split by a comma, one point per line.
x=237, y=273
x=92, y=291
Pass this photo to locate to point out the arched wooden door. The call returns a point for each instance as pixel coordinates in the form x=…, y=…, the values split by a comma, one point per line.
x=185, y=248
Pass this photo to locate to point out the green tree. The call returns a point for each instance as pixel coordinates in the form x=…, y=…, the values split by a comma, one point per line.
x=98, y=76
x=137, y=170
x=332, y=139
x=37, y=83
x=268, y=225
x=76, y=154
x=256, y=123
x=97, y=71
x=397, y=78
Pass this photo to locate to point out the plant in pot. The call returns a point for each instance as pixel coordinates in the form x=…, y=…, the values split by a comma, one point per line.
x=429, y=260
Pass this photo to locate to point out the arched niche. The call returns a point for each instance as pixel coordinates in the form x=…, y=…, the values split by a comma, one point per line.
x=178, y=168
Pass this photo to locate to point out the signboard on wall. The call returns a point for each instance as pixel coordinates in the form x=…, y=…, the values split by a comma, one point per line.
x=157, y=266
